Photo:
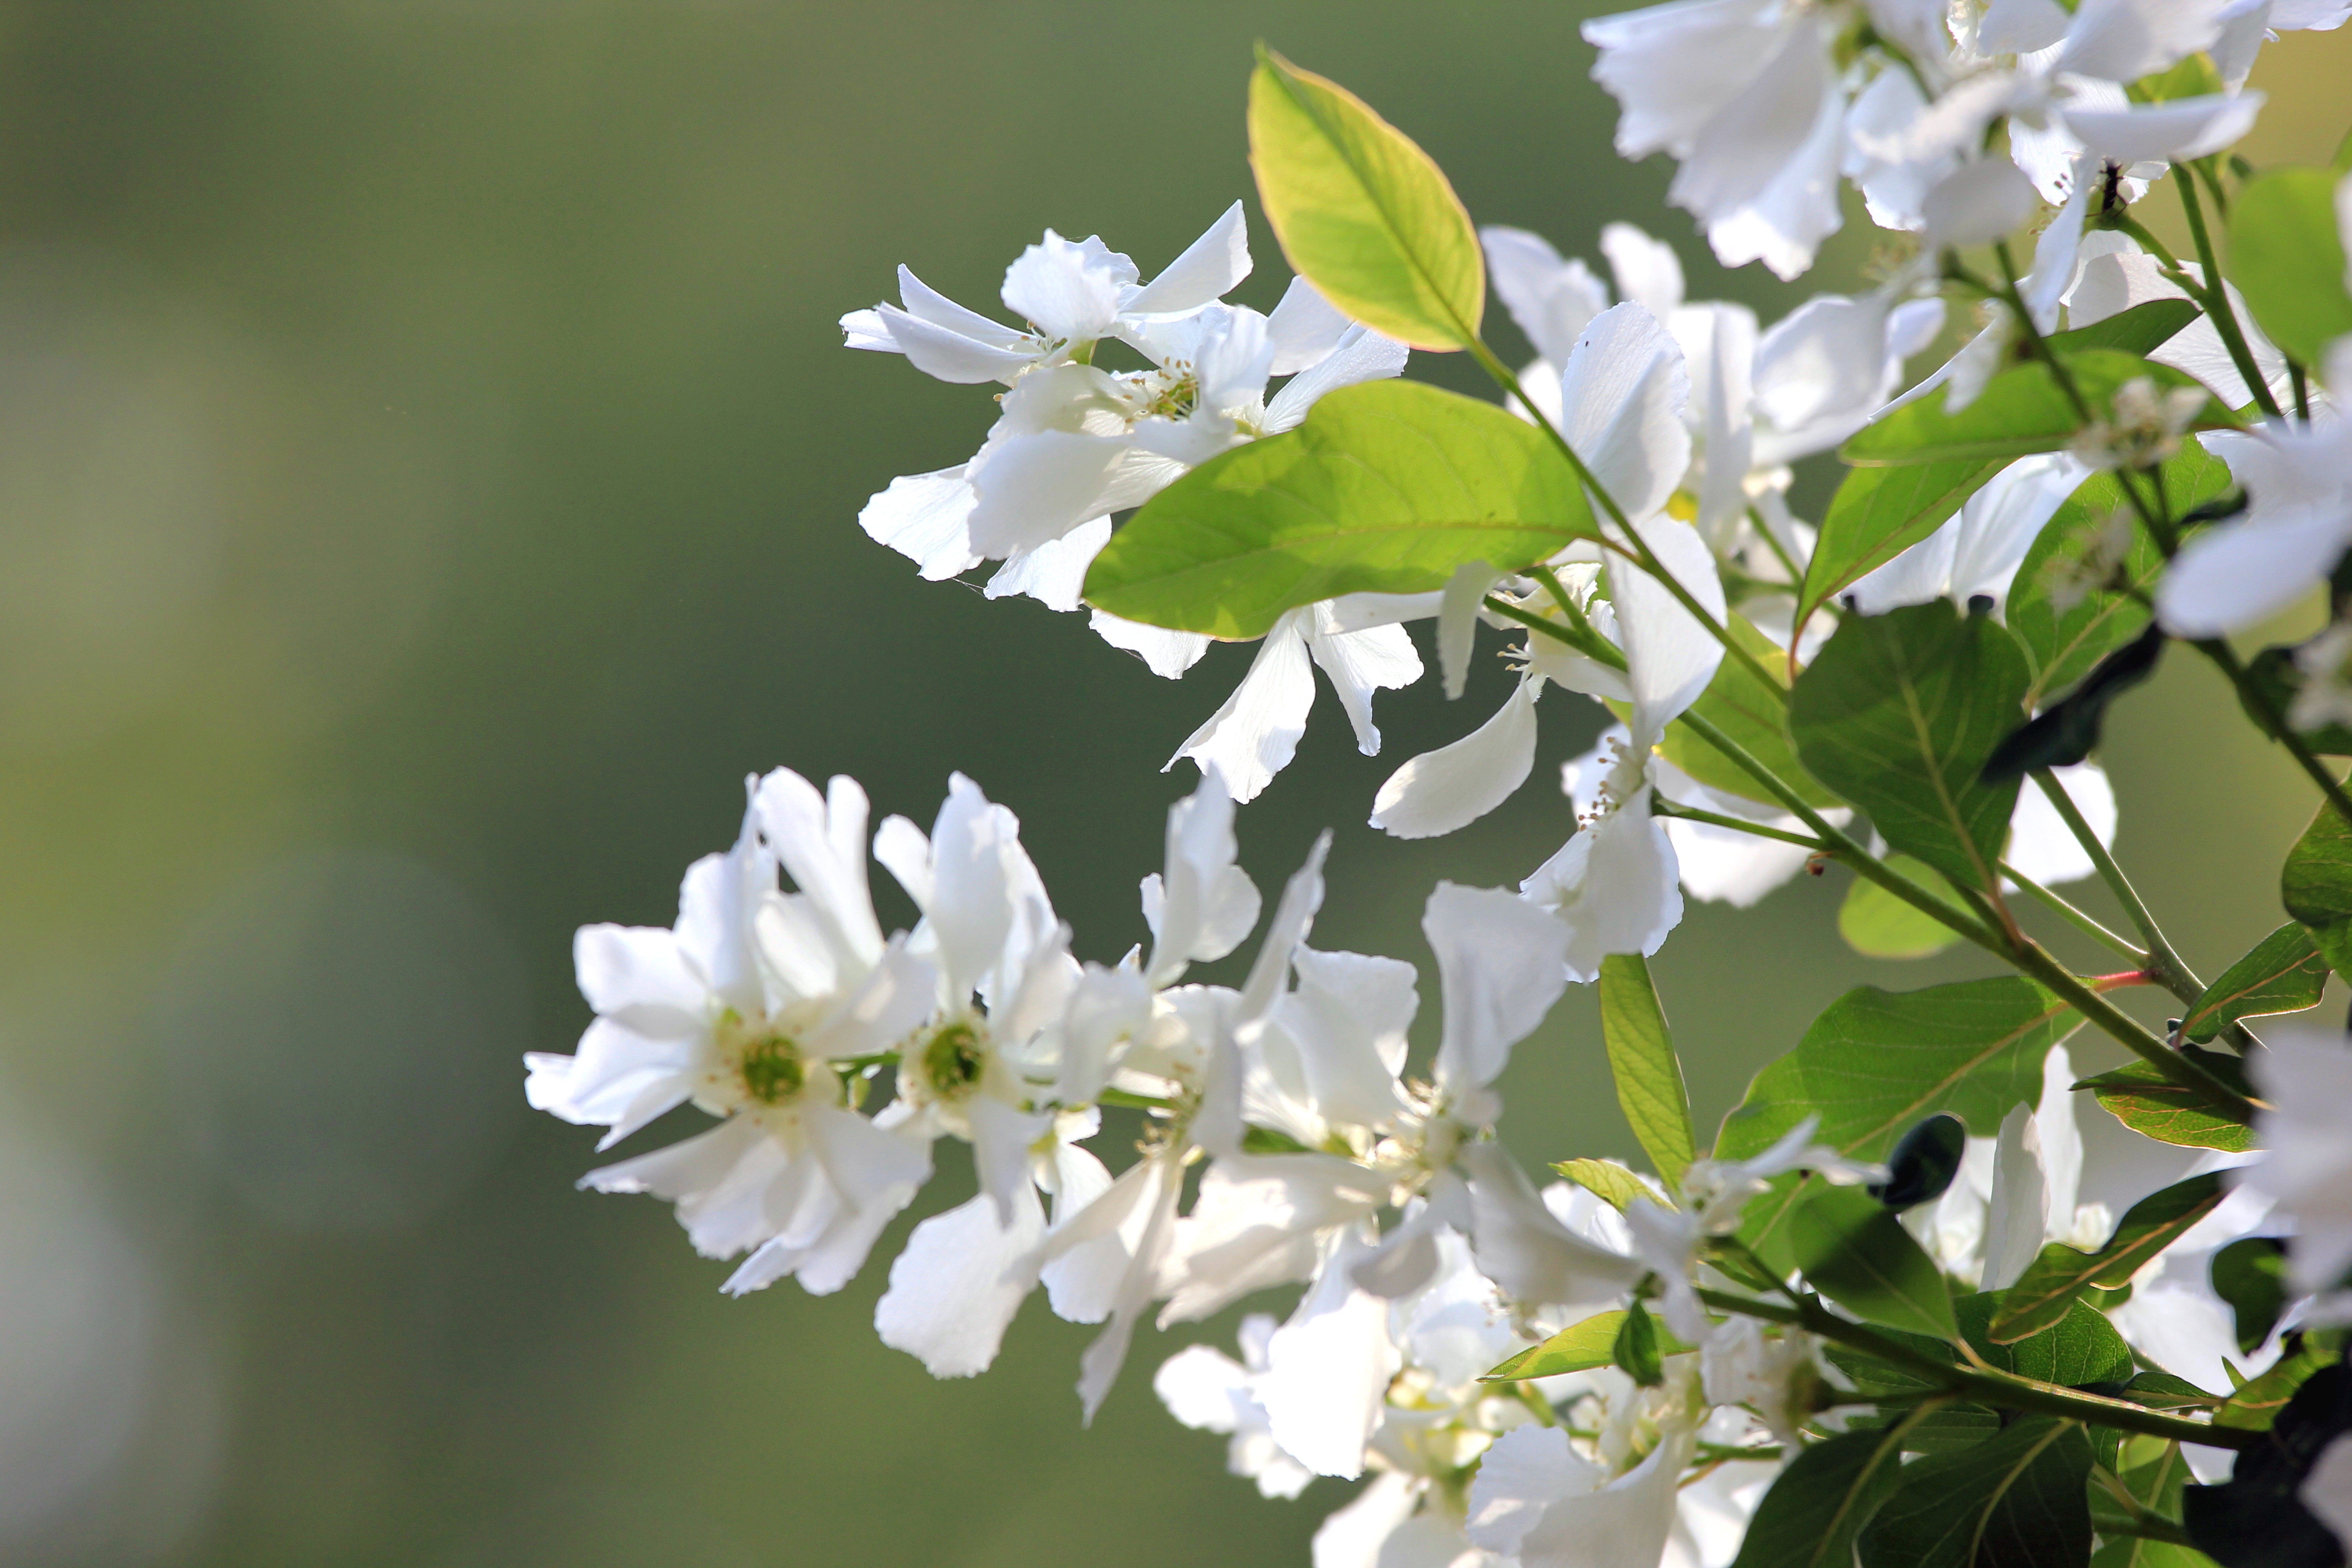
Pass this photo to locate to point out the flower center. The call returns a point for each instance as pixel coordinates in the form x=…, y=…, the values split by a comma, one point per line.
x=952, y=1060
x=767, y=1064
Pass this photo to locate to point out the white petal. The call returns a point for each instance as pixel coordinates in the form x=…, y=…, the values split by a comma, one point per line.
x=1500, y=962
x=1207, y=904
x=947, y=353
x=1253, y=736
x=1441, y=791
x=1669, y=656
x=972, y=894
x=2019, y=1209
x=1977, y=204
x=1623, y=391
x=957, y=1285
x=2176, y=130
x=1524, y=1470
x=1053, y=574
x=1201, y=1386
x=1348, y=1019
x=1525, y=1251
x=925, y=518
x=1304, y=329
x=2021, y=27
x=2327, y=1491
x=2237, y=575
x=1211, y=266
x=1457, y=621
x=1033, y=488
x=638, y=974
x=2123, y=40
x=1352, y=1536
x=1294, y=918
x=923, y=301
x=821, y=840
x=1071, y=291
x=1166, y=654
x=2042, y=845
x=1551, y=300
x=1623, y=1525
x=1362, y=355
x=1615, y=886
x=1328, y=1370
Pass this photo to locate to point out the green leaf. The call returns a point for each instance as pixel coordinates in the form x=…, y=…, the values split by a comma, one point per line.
x=1642, y=1059
x=1820, y=1503
x=2015, y=1500
x=2250, y=1275
x=2051, y=1283
x=2143, y=329
x=1580, y=1347
x=2253, y=1407
x=1607, y=1179
x=1876, y=1061
x=1856, y=1253
x=2063, y=644
x=1877, y=514
x=2080, y=1348
x=2315, y=885
x=1755, y=715
x=2284, y=973
x=2022, y=411
x=1387, y=488
x=2153, y=1471
x=2162, y=1391
x=1877, y=924
x=1898, y=713
x=2147, y=1102
x=1635, y=1349
x=1361, y=212
x=2286, y=257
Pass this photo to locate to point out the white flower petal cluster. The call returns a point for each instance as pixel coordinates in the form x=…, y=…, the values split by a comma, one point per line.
x=1765, y=106
x=1077, y=441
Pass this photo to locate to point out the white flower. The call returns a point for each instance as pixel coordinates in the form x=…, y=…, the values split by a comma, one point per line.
x=1775, y=1375
x=1979, y=549
x=744, y=1008
x=1744, y=95
x=2142, y=428
x=2305, y=1077
x=2298, y=522
x=1072, y=293
x=1539, y=1502
x=1209, y=1391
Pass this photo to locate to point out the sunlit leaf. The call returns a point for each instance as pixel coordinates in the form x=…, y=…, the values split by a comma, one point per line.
x=2283, y=974
x=2286, y=257
x=2052, y=1281
x=1642, y=1059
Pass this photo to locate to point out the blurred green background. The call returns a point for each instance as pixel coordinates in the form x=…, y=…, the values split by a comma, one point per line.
x=428, y=476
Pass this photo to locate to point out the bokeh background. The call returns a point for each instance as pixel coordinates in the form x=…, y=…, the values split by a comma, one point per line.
x=428, y=476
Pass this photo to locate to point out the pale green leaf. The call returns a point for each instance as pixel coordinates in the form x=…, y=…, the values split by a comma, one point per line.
x=2022, y=411
x=2286, y=257
x=1362, y=213
x=1642, y=1059
x=1877, y=924
x=1387, y=488
x=1612, y=1183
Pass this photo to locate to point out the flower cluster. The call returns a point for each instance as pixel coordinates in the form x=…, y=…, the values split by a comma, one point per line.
x=1613, y=1370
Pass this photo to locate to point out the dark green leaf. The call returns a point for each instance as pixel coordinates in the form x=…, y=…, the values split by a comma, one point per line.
x=2286, y=257
x=2250, y=1275
x=1858, y=1255
x=2316, y=885
x=2080, y=1350
x=1642, y=1060
x=2256, y=1406
x=2052, y=1281
x=1877, y=514
x=2257, y=1520
x=1876, y=1061
x=1820, y=1503
x=1877, y=924
x=2162, y=1391
x=1607, y=1179
x=2153, y=1471
x=2019, y=412
x=2146, y=1101
x=2067, y=730
x=1635, y=1350
x=2143, y=329
x=2284, y=973
x=1750, y=712
x=1898, y=713
x=2013, y=1501
x=1387, y=488
x=2064, y=645
x=1925, y=1160
x=1361, y=212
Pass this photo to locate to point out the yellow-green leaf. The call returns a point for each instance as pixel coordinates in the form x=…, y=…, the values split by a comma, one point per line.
x=1361, y=212
x=1642, y=1060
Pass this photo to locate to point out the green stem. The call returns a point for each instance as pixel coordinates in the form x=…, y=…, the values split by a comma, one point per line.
x=1583, y=640
x=2075, y=916
x=2217, y=300
x=2129, y=1032
x=2033, y=338
x=1661, y=807
x=1995, y=1388
x=1779, y=551
x=1639, y=547
x=2161, y=960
